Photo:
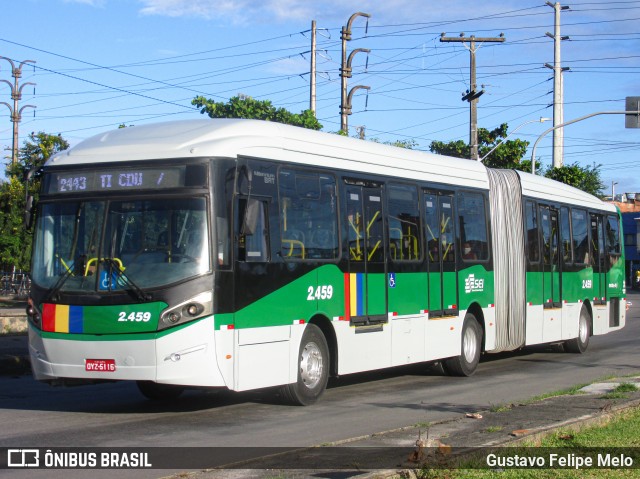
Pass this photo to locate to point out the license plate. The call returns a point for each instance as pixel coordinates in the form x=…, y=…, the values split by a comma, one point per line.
x=100, y=365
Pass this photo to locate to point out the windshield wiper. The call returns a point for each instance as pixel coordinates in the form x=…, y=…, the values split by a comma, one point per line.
x=128, y=282
x=58, y=286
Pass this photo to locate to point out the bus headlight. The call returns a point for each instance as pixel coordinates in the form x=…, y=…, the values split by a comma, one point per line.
x=33, y=314
x=192, y=309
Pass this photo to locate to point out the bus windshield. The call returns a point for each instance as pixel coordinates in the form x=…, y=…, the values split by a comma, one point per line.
x=116, y=245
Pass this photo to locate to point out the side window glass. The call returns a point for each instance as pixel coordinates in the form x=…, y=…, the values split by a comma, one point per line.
x=404, y=223
x=433, y=229
x=253, y=235
x=473, y=227
x=579, y=236
x=613, y=235
x=447, y=233
x=308, y=215
x=565, y=236
x=545, y=223
x=533, y=243
x=597, y=241
x=613, y=239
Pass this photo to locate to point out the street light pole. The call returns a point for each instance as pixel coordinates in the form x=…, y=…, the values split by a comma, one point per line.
x=345, y=71
x=576, y=120
x=541, y=120
x=16, y=95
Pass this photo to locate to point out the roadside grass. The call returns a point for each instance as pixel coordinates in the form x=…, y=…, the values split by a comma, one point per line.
x=622, y=431
x=571, y=391
x=620, y=391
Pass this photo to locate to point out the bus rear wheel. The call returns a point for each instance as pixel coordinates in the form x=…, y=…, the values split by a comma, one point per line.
x=579, y=345
x=467, y=362
x=159, y=392
x=313, y=369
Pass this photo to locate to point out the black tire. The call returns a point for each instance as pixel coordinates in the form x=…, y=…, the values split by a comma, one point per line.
x=159, y=392
x=313, y=369
x=579, y=345
x=467, y=362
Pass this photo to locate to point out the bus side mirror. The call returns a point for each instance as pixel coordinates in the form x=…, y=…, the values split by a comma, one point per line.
x=28, y=213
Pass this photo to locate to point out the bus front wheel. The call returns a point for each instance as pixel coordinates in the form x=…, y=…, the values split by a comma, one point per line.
x=313, y=369
x=467, y=362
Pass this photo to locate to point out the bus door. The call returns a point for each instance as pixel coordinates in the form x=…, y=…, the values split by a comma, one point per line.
x=367, y=281
x=441, y=253
x=598, y=259
x=551, y=274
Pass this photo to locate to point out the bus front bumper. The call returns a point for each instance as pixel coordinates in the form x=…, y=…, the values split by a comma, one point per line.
x=186, y=356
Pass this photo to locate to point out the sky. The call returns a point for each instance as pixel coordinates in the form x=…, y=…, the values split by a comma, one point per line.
x=102, y=63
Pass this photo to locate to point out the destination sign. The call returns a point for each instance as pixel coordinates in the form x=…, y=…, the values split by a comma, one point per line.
x=115, y=180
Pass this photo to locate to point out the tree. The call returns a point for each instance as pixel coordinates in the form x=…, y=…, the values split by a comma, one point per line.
x=508, y=155
x=585, y=178
x=15, y=241
x=247, y=107
x=37, y=149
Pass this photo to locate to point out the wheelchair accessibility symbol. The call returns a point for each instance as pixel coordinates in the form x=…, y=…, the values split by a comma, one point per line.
x=392, y=280
x=108, y=282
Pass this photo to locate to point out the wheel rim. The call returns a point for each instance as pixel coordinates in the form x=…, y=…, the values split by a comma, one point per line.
x=311, y=365
x=469, y=345
x=584, y=329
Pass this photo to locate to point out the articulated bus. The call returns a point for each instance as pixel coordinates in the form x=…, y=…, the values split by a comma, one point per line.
x=246, y=254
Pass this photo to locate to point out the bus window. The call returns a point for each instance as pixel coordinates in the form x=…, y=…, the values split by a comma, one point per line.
x=473, y=227
x=404, y=223
x=308, y=215
x=547, y=244
x=579, y=236
x=613, y=239
x=565, y=236
x=533, y=245
x=253, y=233
x=447, y=234
x=433, y=229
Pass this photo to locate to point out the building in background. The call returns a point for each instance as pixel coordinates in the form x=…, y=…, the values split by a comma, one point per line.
x=629, y=204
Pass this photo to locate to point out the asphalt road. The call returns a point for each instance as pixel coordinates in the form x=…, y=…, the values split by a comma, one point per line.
x=116, y=415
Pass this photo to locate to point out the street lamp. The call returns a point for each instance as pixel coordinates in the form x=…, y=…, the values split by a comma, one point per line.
x=613, y=191
x=628, y=113
x=541, y=120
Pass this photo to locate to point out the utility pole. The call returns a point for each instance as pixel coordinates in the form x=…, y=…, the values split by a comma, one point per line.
x=558, y=87
x=346, y=70
x=472, y=94
x=16, y=95
x=312, y=100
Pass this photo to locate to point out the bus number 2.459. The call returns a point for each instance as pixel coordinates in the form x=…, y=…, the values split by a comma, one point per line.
x=321, y=292
x=138, y=317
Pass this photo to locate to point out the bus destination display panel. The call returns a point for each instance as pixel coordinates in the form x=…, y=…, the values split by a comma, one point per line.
x=116, y=180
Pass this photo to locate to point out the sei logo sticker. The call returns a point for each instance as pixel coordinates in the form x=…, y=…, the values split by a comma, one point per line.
x=473, y=284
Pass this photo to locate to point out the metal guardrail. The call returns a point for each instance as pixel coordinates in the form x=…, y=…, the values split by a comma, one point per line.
x=15, y=283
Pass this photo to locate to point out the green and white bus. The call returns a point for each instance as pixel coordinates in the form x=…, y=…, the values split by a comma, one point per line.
x=246, y=254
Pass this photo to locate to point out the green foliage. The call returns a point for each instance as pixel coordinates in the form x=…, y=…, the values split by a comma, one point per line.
x=37, y=149
x=247, y=107
x=585, y=178
x=15, y=241
x=509, y=154
x=408, y=144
